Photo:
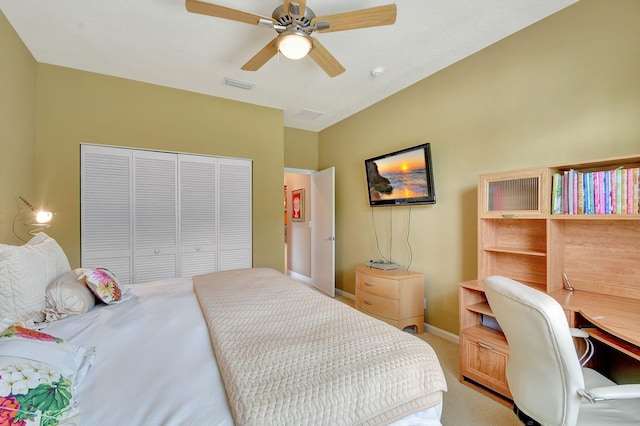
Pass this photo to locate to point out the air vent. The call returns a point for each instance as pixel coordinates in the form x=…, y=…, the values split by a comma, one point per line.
x=307, y=114
x=239, y=84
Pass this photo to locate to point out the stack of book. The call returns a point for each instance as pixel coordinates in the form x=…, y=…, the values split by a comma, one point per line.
x=599, y=192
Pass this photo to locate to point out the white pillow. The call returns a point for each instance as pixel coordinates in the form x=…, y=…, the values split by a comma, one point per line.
x=56, y=261
x=68, y=296
x=25, y=273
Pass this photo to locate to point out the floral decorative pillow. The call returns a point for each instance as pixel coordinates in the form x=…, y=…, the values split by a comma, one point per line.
x=104, y=284
x=38, y=375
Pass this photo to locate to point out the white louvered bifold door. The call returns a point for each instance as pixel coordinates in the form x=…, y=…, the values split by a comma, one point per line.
x=235, y=214
x=105, y=209
x=155, y=211
x=147, y=215
x=197, y=182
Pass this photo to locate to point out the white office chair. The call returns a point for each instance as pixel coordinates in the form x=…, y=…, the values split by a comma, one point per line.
x=544, y=374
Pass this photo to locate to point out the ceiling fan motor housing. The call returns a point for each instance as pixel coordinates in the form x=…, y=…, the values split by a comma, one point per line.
x=286, y=20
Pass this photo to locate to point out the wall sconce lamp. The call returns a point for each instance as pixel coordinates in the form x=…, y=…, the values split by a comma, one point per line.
x=37, y=219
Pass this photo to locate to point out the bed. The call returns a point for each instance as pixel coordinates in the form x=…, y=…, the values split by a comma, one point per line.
x=245, y=347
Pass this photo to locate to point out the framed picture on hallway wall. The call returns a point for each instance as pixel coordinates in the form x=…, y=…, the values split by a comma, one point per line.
x=297, y=205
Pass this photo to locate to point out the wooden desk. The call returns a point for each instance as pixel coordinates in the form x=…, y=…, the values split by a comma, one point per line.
x=616, y=319
x=613, y=321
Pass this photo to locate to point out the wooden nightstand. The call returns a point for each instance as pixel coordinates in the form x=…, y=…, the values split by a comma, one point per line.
x=394, y=296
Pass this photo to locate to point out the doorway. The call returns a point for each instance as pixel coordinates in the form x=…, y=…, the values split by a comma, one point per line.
x=309, y=227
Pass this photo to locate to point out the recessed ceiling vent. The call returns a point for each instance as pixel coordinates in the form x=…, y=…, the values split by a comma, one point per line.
x=307, y=114
x=239, y=84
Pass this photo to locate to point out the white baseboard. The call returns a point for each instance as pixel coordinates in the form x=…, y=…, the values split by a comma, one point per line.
x=441, y=333
x=427, y=327
x=300, y=277
x=345, y=294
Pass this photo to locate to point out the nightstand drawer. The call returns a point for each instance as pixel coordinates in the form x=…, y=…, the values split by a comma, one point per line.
x=393, y=296
x=382, y=287
x=377, y=305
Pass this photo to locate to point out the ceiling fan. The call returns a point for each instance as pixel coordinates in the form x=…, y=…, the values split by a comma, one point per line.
x=294, y=23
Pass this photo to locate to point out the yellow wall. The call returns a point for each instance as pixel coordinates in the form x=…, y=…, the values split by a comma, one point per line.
x=79, y=107
x=17, y=128
x=565, y=89
x=300, y=149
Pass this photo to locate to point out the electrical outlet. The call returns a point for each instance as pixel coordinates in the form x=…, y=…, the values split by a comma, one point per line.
x=425, y=303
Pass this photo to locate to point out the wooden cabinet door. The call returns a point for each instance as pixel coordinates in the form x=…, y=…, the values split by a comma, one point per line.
x=513, y=194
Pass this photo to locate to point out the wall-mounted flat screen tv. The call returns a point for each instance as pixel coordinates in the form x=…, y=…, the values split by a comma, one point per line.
x=401, y=178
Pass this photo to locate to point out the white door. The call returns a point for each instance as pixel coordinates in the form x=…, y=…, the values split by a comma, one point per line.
x=155, y=211
x=235, y=228
x=105, y=209
x=323, y=247
x=197, y=208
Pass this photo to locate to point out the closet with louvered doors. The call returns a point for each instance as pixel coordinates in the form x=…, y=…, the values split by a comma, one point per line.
x=147, y=215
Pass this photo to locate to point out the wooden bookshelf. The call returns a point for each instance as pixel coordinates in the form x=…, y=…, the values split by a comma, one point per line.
x=520, y=237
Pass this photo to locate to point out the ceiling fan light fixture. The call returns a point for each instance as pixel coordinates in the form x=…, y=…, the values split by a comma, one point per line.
x=294, y=44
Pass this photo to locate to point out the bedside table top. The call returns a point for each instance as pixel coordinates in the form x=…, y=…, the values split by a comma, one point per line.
x=390, y=273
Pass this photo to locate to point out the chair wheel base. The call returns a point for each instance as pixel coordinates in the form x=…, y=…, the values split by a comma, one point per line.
x=526, y=420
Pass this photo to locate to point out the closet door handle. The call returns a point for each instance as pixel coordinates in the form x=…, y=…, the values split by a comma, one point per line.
x=485, y=346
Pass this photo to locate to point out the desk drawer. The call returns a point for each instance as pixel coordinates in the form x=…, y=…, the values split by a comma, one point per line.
x=383, y=287
x=485, y=363
x=377, y=305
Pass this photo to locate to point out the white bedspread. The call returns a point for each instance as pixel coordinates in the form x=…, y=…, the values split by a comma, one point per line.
x=154, y=362
x=291, y=356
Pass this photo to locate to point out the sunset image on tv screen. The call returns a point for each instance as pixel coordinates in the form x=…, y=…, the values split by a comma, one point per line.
x=403, y=176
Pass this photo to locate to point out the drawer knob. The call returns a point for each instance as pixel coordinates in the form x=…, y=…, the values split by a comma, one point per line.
x=366, y=302
x=368, y=285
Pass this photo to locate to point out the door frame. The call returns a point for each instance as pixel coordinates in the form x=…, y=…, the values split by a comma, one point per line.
x=300, y=277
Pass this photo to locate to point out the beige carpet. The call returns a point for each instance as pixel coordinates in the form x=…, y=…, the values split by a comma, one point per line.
x=463, y=405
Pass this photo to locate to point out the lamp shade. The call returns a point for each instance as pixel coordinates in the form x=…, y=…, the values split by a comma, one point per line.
x=36, y=220
x=294, y=45
x=44, y=217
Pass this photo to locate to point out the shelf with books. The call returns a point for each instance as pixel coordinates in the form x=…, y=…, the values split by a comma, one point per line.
x=604, y=188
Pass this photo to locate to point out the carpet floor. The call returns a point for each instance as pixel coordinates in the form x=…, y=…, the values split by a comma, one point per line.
x=462, y=405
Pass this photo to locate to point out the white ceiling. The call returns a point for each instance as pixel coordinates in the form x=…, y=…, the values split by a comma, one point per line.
x=159, y=42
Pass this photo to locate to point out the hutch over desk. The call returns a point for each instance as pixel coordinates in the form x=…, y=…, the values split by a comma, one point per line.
x=547, y=227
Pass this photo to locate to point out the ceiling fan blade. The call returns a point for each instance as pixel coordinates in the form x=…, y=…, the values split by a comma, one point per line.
x=262, y=56
x=372, y=17
x=325, y=60
x=204, y=8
